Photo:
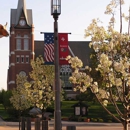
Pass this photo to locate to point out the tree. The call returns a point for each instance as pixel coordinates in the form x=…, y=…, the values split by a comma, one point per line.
x=4, y=98
x=19, y=98
x=6, y=102
x=40, y=88
x=112, y=50
x=85, y=96
x=1, y=96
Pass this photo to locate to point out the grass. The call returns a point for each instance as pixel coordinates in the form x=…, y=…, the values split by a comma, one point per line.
x=66, y=108
x=3, y=112
x=95, y=111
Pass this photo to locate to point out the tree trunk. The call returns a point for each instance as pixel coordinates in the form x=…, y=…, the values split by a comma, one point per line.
x=43, y=112
x=125, y=125
x=120, y=18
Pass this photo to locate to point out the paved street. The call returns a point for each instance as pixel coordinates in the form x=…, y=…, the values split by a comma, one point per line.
x=64, y=128
x=79, y=126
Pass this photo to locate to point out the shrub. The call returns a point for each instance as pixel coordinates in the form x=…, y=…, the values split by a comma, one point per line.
x=80, y=118
x=100, y=120
x=73, y=118
x=94, y=120
x=109, y=121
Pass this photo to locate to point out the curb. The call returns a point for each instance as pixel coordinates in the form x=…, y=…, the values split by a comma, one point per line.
x=65, y=123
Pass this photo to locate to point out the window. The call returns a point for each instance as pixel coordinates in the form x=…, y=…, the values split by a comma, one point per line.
x=66, y=83
x=27, y=59
x=22, y=59
x=17, y=59
x=22, y=73
x=26, y=42
x=18, y=42
x=65, y=73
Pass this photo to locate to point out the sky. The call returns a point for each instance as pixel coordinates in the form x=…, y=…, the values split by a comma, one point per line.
x=76, y=15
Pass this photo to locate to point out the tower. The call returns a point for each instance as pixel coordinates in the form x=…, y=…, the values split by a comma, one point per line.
x=21, y=49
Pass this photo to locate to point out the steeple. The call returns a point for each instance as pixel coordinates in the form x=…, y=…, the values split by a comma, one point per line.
x=21, y=7
x=16, y=14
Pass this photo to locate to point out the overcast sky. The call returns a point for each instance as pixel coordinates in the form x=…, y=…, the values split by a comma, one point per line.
x=75, y=16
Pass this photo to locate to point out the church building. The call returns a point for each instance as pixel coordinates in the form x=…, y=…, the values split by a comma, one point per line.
x=23, y=47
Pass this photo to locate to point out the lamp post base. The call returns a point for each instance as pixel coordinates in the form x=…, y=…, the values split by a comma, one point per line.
x=57, y=124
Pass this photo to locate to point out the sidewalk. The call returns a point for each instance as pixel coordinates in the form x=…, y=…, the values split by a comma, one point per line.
x=79, y=125
x=65, y=123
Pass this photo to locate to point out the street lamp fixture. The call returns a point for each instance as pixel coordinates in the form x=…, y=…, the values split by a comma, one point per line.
x=55, y=7
x=55, y=12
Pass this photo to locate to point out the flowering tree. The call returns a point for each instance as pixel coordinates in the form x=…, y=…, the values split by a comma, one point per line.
x=112, y=50
x=19, y=98
x=40, y=88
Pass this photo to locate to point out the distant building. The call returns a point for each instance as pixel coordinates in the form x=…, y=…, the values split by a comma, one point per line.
x=23, y=48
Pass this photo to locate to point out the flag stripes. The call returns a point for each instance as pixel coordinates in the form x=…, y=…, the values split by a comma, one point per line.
x=49, y=47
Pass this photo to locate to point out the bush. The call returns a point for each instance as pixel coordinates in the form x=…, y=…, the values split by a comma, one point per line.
x=94, y=120
x=100, y=120
x=109, y=121
x=80, y=118
x=73, y=118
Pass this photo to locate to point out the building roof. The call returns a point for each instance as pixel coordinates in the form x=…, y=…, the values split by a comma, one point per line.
x=16, y=13
x=76, y=48
x=81, y=50
x=39, y=48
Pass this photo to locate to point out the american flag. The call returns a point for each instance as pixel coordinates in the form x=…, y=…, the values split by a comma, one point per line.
x=49, y=47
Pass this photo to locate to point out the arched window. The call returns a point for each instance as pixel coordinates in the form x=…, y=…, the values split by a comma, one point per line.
x=65, y=73
x=26, y=42
x=18, y=42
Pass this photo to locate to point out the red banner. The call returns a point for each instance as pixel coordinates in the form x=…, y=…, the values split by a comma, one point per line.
x=63, y=48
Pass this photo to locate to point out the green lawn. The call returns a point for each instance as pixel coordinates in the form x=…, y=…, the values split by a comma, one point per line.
x=66, y=109
x=95, y=112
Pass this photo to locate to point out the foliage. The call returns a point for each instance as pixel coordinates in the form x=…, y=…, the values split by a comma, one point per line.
x=86, y=96
x=1, y=96
x=40, y=88
x=19, y=98
x=8, y=108
x=6, y=102
x=113, y=61
x=4, y=98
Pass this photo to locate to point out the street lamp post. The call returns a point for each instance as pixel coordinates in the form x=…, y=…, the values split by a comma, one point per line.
x=56, y=11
